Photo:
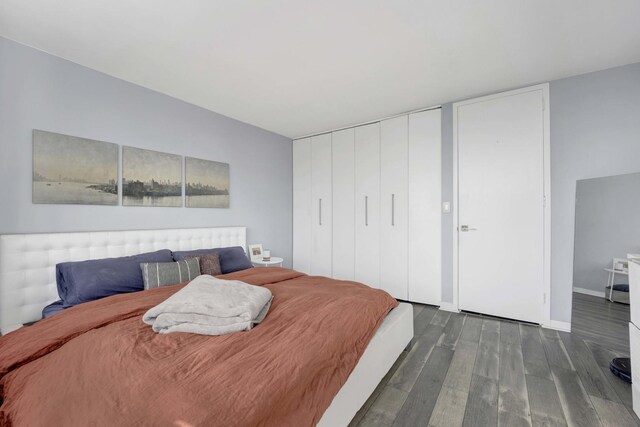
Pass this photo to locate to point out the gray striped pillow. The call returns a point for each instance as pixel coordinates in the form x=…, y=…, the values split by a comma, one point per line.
x=157, y=274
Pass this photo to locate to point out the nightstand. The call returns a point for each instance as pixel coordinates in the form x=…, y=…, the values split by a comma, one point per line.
x=273, y=262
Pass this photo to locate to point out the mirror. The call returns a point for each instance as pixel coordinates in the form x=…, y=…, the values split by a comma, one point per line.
x=607, y=228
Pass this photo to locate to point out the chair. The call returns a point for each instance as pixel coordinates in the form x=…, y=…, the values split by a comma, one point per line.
x=619, y=266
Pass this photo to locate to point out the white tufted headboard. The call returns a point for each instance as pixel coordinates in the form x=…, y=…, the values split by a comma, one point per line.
x=28, y=261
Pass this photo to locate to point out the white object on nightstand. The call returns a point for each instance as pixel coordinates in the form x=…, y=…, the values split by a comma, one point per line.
x=274, y=261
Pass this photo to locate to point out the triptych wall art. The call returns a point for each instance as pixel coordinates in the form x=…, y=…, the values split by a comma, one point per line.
x=72, y=170
x=151, y=178
x=207, y=184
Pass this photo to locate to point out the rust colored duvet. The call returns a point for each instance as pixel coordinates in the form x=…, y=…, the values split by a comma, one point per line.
x=99, y=364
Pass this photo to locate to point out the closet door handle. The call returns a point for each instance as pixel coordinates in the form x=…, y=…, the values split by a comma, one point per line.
x=393, y=210
x=320, y=211
x=366, y=211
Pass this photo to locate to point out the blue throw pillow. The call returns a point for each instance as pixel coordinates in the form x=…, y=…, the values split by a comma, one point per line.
x=51, y=309
x=85, y=281
x=231, y=259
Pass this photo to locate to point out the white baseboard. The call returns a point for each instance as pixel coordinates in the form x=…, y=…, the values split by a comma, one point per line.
x=588, y=292
x=558, y=326
x=553, y=324
x=448, y=306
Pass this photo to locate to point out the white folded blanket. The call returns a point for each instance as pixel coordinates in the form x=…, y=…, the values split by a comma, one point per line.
x=210, y=306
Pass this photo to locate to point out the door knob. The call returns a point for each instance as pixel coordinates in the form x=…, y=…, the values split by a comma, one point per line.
x=466, y=228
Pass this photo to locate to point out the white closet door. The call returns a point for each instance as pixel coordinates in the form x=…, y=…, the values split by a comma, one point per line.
x=321, y=205
x=302, y=205
x=367, y=199
x=394, y=142
x=425, y=219
x=343, y=155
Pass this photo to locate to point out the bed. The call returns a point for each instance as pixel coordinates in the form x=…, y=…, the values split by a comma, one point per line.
x=27, y=284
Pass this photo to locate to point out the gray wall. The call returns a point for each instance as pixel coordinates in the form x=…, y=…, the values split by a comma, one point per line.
x=595, y=131
x=40, y=91
x=606, y=227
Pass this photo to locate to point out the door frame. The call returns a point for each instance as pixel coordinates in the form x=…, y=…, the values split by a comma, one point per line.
x=545, y=316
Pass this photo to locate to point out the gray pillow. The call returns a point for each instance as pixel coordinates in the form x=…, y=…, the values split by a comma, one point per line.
x=159, y=274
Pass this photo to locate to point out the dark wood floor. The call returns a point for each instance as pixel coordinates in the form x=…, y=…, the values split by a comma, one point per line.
x=597, y=319
x=467, y=370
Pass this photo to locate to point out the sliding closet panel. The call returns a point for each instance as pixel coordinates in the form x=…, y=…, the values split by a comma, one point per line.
x=343, y=155
x=424, y=214
x=394, y=143
x=302, y=205
x=321, y=213
x=367, y=204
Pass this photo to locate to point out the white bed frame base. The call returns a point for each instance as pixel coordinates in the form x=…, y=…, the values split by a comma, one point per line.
x=28, y=284
x=391, y=338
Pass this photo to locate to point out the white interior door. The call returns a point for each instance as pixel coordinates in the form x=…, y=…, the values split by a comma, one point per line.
x=302, y=205
x=321, y=205
x=425, y=218
x=394, y=162
x=367, y=204
x=501, y=205
x=343, y=154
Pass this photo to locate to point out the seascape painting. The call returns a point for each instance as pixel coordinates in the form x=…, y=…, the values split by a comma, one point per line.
x=207, y=183
x=151, y=178
x=73, y=170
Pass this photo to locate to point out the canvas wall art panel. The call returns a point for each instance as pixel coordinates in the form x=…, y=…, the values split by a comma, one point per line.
x=151, y=178
x=207, y=184
x=72, y=170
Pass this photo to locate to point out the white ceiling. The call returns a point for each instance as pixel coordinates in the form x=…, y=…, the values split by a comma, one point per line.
x=297, y=67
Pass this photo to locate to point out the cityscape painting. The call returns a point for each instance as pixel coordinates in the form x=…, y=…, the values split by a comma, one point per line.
x=151, y=178
x=207, y=184
x=73, y=170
